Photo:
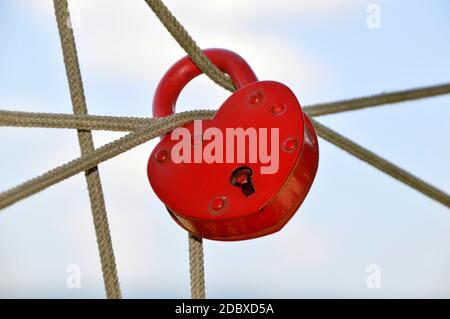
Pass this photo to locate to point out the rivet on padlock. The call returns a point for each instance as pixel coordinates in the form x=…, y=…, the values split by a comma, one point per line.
x=238, y=199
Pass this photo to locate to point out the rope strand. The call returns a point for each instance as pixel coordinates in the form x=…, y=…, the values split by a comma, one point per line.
x=381, y=164
x=92, y=159
x=86, y=142
x=376, y=100
x=127, y=124
x=188, y=44
x=196, y=267
x=7, y=198
x=68, y=121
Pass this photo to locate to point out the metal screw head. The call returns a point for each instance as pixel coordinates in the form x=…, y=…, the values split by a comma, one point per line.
x=161, y=156
x=278, y=108
x=217, y=204
x=290, y=145
x=255, y=98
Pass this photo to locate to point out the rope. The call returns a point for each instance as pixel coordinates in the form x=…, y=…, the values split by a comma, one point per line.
x=376, y=100
x=381, y=164
x=91, y=159
x=146, y=129
x=188, y=44
x=129, y=123
x=196, y=267
x=81, y=122
x=115, y=123
x=104, y=242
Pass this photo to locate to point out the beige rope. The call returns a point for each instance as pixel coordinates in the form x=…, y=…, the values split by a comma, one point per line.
x=183, y=38
x=115, y=123
x=91, y=159
x=382, y=164
x=196, y=267
x=7, y=199
x=81, y=122
x=85, y=140
x=376, y=100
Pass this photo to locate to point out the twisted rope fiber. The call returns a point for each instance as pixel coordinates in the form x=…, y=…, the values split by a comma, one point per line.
x=80, y=122
x=376, y=100
x=196, y=267
x=127, y=124
x=104, y=242
x=381, y=164
x=188, y=44
x=91, y=159
x=9, y=197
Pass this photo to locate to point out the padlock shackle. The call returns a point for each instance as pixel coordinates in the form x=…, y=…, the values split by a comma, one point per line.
x=183, y=71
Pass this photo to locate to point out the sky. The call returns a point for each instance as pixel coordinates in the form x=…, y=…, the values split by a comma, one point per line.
x=353, y=217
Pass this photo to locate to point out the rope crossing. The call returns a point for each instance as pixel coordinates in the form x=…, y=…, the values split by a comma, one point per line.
x=141, y=130
x=93, y=158
x=145, y=129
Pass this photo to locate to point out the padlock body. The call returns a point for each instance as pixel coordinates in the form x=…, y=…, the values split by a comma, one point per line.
x=190, y=190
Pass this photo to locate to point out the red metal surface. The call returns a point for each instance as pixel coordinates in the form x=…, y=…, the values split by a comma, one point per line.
x=206, y=199
x=184, y=70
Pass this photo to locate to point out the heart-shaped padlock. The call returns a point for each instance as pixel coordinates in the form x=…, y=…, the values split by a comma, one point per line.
x=242, y=174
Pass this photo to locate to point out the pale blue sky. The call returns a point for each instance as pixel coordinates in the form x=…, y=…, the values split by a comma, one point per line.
x=354, y=216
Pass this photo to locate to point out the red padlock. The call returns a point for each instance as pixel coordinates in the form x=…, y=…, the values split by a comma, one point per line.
x=223, y=183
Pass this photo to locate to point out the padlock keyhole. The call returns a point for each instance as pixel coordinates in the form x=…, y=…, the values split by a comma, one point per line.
x=242, y=178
